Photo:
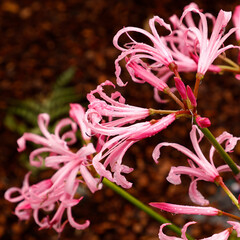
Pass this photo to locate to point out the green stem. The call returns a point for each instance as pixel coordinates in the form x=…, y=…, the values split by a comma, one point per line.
x=229, y=61
x=228, y=69
x=220, y=182
x=141, y=206
x=228, y=160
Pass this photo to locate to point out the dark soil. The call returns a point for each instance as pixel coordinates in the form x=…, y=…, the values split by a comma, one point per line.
x=41, y=39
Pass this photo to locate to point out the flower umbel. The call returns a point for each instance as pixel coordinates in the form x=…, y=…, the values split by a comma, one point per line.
x=200, y=168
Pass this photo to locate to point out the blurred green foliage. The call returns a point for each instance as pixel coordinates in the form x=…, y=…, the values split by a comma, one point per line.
x=22, y=115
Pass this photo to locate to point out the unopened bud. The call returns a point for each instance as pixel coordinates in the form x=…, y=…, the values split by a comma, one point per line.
x=203, y=122
x=181, y=88
x=191, y=97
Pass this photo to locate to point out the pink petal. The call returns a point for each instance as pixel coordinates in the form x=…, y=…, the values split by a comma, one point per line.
x=236, y=21
x=163, y=236
x=75, y=224
x=183, y=209
x=236, y=226
x=195, y=195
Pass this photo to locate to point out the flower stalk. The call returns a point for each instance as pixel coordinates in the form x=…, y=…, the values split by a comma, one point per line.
x=225, y=156
x=220, y=182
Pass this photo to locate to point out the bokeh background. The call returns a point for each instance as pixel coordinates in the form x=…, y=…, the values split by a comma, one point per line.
x=39, y=41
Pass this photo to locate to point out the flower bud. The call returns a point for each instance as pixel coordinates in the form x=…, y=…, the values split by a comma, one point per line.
x=191, y=97
x=181, y=88
x=203, y=122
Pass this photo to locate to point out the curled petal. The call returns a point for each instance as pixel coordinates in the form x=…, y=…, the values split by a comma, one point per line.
x=77, y=114
x=163, y=236
x=173, y=177
x=73, y=223
x=195, y=195
x=10, y=191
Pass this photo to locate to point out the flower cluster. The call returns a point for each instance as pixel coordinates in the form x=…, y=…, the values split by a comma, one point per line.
x=109, y=126
x=58, y=191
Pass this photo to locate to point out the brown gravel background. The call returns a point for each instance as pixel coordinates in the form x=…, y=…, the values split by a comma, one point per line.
x=41, y=39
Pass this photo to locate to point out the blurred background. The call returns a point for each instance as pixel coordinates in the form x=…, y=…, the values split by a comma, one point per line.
x=55, y=52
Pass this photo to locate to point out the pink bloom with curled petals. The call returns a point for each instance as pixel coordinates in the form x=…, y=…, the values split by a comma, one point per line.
x=209, y=49
x=48, y=141
x=158, y=52
x=117, y=132
x=114, y=108
x=120, y=138
x=200, y=168
x=45, y=196
x=224, y=235
x=115, y=148
x=60, y=189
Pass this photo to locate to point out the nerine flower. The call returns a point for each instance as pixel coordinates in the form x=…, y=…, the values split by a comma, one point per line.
x=115, y=148
x=200, y=168
x=158, y=52
x=119, y=135
x=208, y=49
x=224, y=235
x=114, y=108
x=45, y=196
x=60, y=189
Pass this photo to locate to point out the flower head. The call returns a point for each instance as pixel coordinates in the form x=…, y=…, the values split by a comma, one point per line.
x=208, y=49
x=46, y=195
x=158, y=52
x=200, y=168
x=59, y=190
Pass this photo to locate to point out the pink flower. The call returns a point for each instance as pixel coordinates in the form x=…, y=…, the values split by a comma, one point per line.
x=53, y=143
x=121, y=139
x=159, y=52
x=116, y=132
x=200, y=168
x=224, y=235
x=236, y=21
x=60, y=189
x=183, y=209
x=181, y=88
x=182, y=48
x=57, y=146
x=209, y=49
x=117, y=111
x=46, y=195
